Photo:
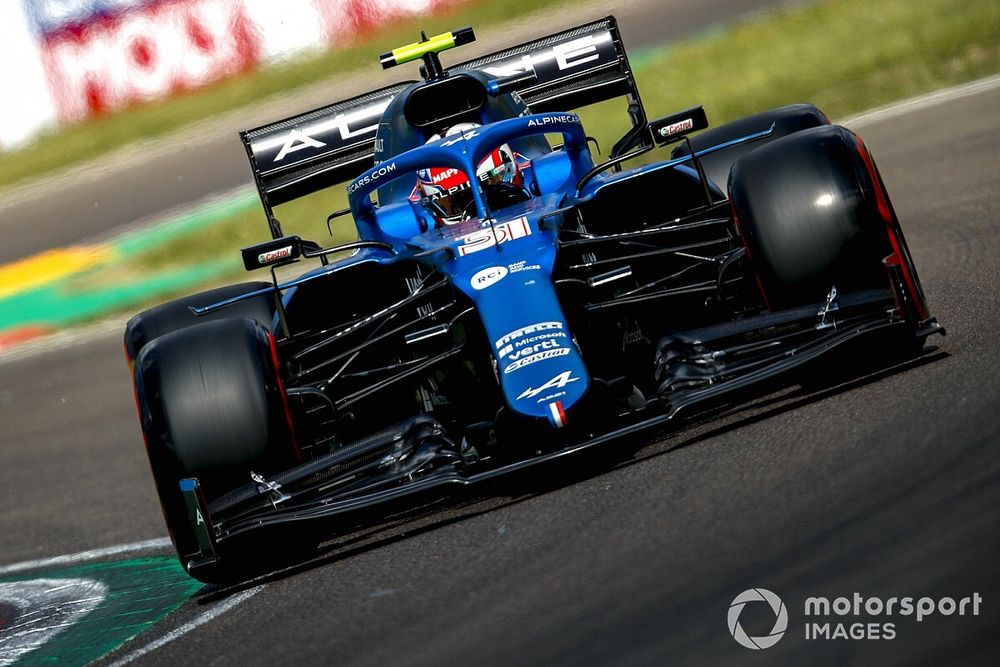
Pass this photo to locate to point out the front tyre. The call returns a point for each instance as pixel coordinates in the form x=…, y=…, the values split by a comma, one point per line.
x=814, y=214
x=808, y=212
x=211, y=407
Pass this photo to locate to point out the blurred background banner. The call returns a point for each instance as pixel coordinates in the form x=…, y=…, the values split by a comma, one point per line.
x=69, y=60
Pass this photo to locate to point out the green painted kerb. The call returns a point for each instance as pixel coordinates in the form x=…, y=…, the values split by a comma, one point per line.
x=141, y=592
x=179, y=225
x=60, y=304
x=70, y=300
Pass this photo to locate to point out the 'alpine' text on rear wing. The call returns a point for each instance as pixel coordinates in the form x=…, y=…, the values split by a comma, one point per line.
x=311, y=151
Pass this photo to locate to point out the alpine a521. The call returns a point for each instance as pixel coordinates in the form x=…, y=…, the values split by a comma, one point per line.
x=510, y=299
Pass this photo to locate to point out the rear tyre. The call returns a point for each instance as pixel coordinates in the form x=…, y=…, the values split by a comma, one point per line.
x=210, y=407
x=808, y=213
x=786, y=120
x=173, y=315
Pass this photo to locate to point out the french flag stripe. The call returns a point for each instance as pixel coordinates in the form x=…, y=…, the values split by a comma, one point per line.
x=558, y=415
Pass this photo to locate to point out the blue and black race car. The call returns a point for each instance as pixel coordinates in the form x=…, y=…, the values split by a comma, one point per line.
x=509, y=300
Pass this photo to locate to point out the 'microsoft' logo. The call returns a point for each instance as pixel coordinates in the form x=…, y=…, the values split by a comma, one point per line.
x=780, y=618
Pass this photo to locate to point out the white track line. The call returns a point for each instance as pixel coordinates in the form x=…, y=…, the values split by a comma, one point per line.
x=159, y=543
x=210, y=614
x=43, y=609
x=922, y=102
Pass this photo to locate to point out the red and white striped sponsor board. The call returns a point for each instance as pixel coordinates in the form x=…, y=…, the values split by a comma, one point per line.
x=79, y=58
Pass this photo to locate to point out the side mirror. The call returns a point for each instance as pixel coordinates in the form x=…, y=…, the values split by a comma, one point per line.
x=277, y=251
x=676, y=126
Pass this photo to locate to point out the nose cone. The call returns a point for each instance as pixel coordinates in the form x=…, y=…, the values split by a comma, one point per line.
x=541, y=372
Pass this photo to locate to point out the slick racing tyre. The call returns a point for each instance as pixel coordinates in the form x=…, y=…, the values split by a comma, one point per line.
x=210, y=406
x=808, y=212
x=786, y=120
x=173, y=315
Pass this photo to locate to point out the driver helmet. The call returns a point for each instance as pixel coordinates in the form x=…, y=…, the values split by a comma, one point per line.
x=447, y=191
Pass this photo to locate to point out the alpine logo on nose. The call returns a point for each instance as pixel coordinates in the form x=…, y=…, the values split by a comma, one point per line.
x=558, y=382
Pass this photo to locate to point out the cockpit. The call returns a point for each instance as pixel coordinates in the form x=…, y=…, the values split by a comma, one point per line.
x=447, y=110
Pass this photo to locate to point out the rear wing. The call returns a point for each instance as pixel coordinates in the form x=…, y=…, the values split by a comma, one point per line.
x=574, y=68
x=315, y=150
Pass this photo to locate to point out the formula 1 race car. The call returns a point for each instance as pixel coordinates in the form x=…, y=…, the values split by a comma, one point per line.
x=508, y=301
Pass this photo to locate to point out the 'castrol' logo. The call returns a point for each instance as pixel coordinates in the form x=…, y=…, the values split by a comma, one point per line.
x=274, y=255
x=674, y=128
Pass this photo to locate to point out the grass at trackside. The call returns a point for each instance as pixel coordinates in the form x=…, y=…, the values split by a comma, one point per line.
x=843, y=55
x=76, y=143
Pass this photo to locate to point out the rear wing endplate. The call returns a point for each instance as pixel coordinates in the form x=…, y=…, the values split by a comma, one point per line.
x=315, y=150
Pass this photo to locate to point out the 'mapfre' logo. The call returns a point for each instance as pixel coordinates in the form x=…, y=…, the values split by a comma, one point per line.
x=780, y=618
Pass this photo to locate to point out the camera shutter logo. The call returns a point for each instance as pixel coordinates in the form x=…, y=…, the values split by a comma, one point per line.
x=780, y=621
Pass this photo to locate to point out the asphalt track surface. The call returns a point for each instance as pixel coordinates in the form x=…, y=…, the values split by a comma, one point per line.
x=108, y=197
x=888, y=485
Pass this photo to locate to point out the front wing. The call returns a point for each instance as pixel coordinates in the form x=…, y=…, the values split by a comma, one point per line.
x=715, y=362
